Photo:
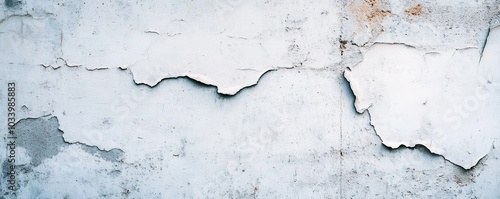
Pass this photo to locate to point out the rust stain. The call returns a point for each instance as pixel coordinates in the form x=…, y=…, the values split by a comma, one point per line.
x=369, y=14
x=415, y=10
x=368, y=11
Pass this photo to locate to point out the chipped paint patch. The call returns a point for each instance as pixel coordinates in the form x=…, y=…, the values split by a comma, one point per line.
x=445, y=100
x=227, y=44
x=42, y=139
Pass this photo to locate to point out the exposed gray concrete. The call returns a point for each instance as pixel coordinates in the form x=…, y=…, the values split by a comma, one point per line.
x=42, y=140
x=40, y=137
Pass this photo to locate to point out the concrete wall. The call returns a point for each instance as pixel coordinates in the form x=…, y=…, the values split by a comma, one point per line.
x=264, y=99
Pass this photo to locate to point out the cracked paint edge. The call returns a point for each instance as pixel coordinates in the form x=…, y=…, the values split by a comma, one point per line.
x=363, y=106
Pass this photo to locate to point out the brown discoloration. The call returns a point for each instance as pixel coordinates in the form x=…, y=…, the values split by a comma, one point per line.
x=378, y=15
x=369, y=14
x=368, y=11
x=415, y=10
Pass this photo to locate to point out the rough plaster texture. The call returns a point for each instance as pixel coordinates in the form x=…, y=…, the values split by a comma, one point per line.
x=98, y=121
x=239, y=147
x=228, y=44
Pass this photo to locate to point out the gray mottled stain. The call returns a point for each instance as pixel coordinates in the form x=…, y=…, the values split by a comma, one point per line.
x=112, y=155
x=12, y=3
x=42, y=139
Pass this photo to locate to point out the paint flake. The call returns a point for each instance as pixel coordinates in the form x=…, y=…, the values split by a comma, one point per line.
x=446, y=100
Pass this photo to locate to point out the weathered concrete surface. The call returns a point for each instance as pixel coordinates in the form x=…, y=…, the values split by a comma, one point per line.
x=241, y=147
x=227, y=44
x=295, y=134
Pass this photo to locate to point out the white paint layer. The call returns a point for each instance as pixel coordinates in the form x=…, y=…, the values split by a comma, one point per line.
x=227, y=44
x=444, y=100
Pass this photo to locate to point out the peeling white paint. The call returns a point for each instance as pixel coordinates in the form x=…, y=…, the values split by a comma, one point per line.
x=444, y=100
x=228, y=44
x=182, y=139
x=98, y=67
